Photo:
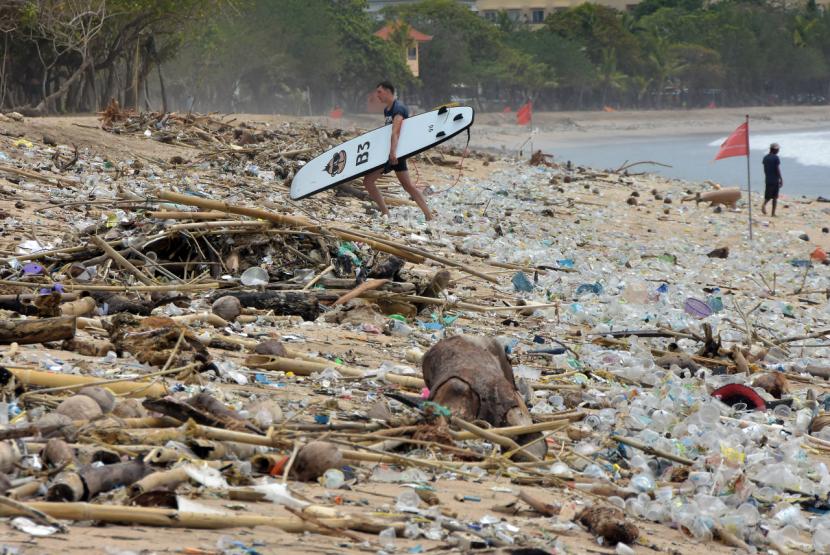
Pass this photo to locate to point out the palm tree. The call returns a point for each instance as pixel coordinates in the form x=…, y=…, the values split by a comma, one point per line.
x=665, y=64
x=609, y=77
x=639, y=85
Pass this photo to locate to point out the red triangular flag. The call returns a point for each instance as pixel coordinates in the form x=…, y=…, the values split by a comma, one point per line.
x=337, y=113
x=736, y=144
x=523, y=114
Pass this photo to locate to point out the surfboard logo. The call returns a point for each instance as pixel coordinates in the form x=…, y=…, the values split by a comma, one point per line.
x=337, y=163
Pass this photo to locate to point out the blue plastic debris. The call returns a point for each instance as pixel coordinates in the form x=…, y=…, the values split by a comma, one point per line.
x=521, y=283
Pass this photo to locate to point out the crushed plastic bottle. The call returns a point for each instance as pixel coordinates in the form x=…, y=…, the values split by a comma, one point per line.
x=386, y=538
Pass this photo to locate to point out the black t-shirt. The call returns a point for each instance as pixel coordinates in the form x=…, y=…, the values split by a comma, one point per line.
x=398, y=108
x=771, y=164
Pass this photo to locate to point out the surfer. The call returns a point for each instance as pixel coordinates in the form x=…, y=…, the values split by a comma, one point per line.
x=772, y=177
x=395, y=112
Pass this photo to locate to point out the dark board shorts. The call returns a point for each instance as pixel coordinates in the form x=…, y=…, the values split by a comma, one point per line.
x=399, y=167
x=771, y=191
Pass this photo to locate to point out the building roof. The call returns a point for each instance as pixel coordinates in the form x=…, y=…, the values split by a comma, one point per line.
x=413, y=34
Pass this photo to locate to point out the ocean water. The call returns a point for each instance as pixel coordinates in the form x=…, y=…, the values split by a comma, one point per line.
x=805, y=158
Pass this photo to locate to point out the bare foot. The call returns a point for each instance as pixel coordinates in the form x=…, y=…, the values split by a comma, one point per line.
x=763, y=211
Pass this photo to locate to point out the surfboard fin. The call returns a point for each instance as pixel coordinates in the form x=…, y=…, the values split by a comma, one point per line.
x=439, y=134
x=442, y=110
x=458, y=117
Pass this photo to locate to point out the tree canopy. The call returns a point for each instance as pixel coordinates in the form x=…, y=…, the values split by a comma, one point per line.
x=307, y=56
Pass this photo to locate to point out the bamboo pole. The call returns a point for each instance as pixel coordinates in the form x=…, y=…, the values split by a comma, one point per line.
x=182, y=215
x=79, y=307
x=200, y=317
x=493, y=437
x=170, y=518
x=306, y=368
x=420, y=252
x=39, y=378
x=512, y=431
x=452, y=304
x=36, y=176
x=220, y=224
x=169, y=479
x=652, y=451
x=282, y=219
x=207, y=286
x=368, y=285
x=121, y=261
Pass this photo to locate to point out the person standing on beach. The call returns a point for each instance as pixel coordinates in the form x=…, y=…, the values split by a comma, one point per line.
x=394, y=112
x=772, y=176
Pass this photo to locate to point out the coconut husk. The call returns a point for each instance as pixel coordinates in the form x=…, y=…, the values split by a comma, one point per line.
x=314, y=458
x=610, y=524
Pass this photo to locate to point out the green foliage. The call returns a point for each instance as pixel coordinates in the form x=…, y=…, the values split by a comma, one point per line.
x=309, y=55
x=462, y=48
x=598, y=28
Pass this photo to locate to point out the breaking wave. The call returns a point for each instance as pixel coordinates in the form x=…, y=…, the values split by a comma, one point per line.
x=806, y=148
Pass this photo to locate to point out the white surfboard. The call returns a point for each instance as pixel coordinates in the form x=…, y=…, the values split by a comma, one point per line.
x=370, y=151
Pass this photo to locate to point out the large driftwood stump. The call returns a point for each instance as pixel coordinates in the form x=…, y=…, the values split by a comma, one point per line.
x=42, y=330
x=282, y=303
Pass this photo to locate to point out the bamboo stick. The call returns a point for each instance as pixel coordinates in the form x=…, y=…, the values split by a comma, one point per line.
x=209, y=317
x=39, y=378
x=121, y=261
x=652, y=451
x=493, y=437
x=368, y=285
x=281, y=219
x=451, y=304
x=29, y=489
x=79, y=307
x=318, y=277
x=170, y=518
x=36, y=176
x=165, y=479
x=37, y=515
x=512, y=431
x=423, y=253
x=183, y=215
x=220, y=224
x=126, y=288
x=380, y=246
x=306, y=368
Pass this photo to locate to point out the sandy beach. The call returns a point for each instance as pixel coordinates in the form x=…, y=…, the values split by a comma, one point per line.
x=499, y=216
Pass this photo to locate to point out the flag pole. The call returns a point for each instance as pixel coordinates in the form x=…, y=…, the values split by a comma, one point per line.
x=531, y=127
x=748, y=181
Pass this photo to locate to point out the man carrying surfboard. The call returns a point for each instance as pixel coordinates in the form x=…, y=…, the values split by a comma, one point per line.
x=394, y=112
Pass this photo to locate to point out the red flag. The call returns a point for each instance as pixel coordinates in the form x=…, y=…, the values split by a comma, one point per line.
x=337, y=113
x=736, y=144
x=523, y=114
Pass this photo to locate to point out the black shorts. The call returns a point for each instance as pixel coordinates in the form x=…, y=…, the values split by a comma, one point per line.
x=771, y=191
x=399, y=167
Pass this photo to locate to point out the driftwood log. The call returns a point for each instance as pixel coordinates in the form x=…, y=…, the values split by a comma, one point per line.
x=288, y=303
x=41, y=330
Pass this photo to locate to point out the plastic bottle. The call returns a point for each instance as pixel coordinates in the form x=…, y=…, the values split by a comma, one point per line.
x=333, y=479
x=386, y=538
x=407, y=501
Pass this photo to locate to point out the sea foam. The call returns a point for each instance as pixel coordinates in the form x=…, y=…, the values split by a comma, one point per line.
x=806, y=148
